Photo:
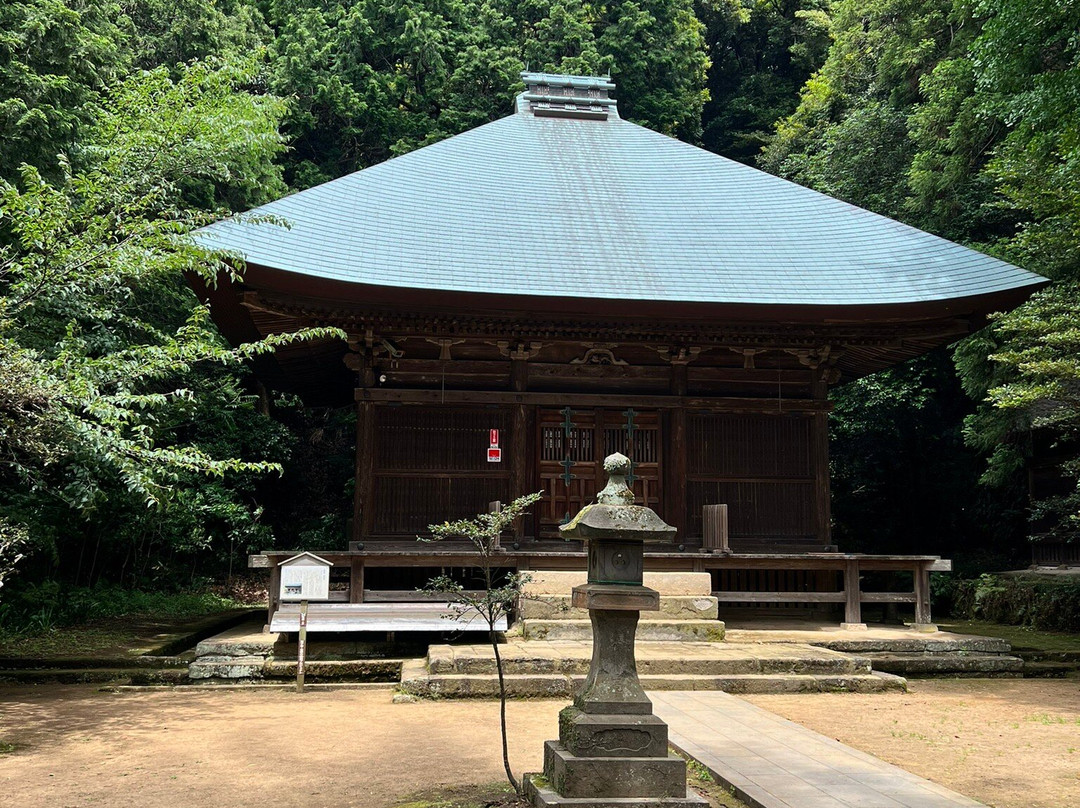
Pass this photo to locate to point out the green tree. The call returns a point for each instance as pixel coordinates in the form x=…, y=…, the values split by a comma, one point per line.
x=762, y=52
x=495, y=602
x=102, y=344
x=56, y=56
x=371, y=81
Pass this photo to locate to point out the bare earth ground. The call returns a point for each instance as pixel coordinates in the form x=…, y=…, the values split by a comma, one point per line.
x=1009, y=743
x=80, y=747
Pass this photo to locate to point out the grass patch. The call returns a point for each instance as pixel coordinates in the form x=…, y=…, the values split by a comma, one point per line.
x=701, y=780
x=1021, y=639
x=494, y=795
x=7, y=748
x=106, y=637
x=75, y=641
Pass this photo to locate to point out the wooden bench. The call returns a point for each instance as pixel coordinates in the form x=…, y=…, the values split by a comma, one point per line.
x=381, y=617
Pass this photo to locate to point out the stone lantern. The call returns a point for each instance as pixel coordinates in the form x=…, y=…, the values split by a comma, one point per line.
x=610, y=745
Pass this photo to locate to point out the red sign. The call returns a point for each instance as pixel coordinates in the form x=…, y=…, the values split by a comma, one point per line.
x=493, y=437
x=494, y=455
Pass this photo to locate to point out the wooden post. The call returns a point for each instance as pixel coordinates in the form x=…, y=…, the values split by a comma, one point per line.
x=273, y=592
x=714, y=522
x=519, y=458
x=521, y=435
x=852, y=597
x=356, y=580
x=363, y=505
x=819, y=460
x=496, y=507
x=923, y=621
x=301, y=647
x=674, y=504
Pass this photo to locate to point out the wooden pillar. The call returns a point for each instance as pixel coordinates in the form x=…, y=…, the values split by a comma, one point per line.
x=363, y=498
x=356, y=580
x=675, y=500
x=852, y=597
x=521, y=434
x=922, y=595
x=361, y=361
x=819, y=460
x=273, y=591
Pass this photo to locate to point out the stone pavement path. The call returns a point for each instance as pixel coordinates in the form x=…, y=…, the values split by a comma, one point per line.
x=771, y=762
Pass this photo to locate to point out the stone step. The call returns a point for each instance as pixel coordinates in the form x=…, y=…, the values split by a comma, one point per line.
x=951, y=663
x=672, y=607
x=928, y=643
x=137, y=676
x=417, y=682
x=1050, y=669
x=690, y=659
x=353, y=670
x=649, y=630
x=76, y=663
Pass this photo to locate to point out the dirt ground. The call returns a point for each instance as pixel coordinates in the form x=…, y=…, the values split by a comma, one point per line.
x=76, y=746
x=1008, y=743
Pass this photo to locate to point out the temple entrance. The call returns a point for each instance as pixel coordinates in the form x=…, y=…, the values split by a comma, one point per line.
x=572, y=446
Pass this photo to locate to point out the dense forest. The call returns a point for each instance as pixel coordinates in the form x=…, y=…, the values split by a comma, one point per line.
x=135, y=447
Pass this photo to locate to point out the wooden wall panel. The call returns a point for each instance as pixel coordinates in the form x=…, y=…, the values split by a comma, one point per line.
x=430, y=464
x=760, y=466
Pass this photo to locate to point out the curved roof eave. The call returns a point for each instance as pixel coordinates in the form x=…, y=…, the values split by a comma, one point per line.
x=332, y=294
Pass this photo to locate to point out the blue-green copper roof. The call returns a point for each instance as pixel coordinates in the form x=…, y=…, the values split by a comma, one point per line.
x=532, y=205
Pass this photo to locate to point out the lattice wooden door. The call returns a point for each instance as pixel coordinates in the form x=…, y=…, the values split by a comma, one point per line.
x=573, y=445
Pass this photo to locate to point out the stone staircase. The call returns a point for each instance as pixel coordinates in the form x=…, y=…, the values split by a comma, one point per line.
x=678, y=647
x=688, y=611
x=914, y=655
x=538, y=668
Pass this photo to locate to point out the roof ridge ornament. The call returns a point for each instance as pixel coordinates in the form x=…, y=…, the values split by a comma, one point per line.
x=556, y=95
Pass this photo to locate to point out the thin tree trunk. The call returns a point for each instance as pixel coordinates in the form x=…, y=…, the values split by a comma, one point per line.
x=502, y=709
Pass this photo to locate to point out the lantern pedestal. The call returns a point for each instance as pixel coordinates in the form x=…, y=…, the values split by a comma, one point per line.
x=612, y=750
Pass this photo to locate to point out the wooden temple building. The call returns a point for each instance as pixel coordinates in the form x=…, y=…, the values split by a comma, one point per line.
x=561, y=284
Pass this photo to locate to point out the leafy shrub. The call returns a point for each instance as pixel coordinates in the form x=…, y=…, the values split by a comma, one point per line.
x=1047, y=604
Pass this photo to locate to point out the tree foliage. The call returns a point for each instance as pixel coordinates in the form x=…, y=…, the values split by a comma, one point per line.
x=105, y=350
x=371, y=80
x=961, y=117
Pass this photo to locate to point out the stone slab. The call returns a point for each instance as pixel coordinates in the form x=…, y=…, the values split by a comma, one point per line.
x=540, y=794
x=648, y=630
x=653, y=658
x=770, y=762
x=558, y=685
x=239, y=641
x=594, y=777
x=621, y=598
x=672, y=607
x=562, y=582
